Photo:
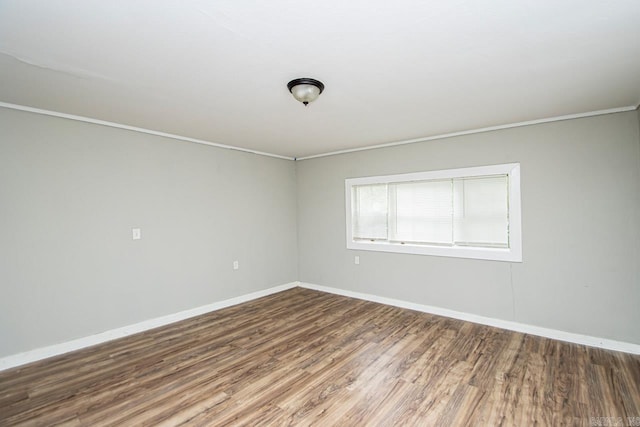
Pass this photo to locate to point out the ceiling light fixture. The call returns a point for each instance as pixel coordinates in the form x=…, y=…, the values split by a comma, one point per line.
x=305, y=90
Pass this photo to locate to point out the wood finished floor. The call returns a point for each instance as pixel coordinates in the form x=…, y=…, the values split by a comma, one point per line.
x=303, y=357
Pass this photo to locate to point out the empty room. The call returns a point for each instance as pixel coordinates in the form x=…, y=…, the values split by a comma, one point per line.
x=319, y=213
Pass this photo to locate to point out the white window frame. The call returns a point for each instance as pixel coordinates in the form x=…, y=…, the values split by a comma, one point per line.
x=511, y=254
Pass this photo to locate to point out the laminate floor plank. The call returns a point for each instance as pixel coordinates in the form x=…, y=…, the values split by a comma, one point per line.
x=304, y=357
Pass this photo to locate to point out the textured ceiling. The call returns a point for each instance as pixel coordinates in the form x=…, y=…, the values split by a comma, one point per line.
x=217, y=70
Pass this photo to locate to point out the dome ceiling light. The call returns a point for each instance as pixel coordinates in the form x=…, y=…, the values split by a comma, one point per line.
x=305, y=90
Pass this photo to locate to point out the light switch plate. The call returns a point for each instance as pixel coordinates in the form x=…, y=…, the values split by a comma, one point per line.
x=136, y=234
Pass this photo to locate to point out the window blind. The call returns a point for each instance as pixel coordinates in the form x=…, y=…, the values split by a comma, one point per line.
x=481, y=211
x=421, y=212
x=370, y=210
x=455, y=212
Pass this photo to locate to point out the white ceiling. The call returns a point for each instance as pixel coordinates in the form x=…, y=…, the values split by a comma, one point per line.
x=394, y=70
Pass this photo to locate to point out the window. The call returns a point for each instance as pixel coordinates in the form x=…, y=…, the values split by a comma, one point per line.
x=467, y=213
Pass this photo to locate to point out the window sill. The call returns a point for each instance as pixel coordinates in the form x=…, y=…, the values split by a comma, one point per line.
x=493, y=254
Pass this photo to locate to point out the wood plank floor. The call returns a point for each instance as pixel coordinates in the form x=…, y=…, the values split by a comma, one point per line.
x=303, y=357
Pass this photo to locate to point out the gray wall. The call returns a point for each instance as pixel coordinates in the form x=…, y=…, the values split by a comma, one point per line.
x=70, y=193
x=581, y=228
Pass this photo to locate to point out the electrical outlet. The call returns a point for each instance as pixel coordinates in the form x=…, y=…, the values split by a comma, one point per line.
x=236, y=265
x=356, y=260
x=136, y=234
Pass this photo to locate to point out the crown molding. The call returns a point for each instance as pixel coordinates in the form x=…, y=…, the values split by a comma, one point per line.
x=479, y=130
x=135, y=129
x=331, y=153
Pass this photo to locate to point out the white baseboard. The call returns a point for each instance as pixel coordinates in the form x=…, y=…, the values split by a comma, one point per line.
x=504, y=324
x=77, y=344
x=80, y=343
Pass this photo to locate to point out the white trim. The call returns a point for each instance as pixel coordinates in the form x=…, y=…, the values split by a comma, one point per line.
x=135, y=129
x=511, y=254
x=80, y=343
x=331, y=153
x=555, y=334
x=480, y=130
x=20, y=359
x=437, y=174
